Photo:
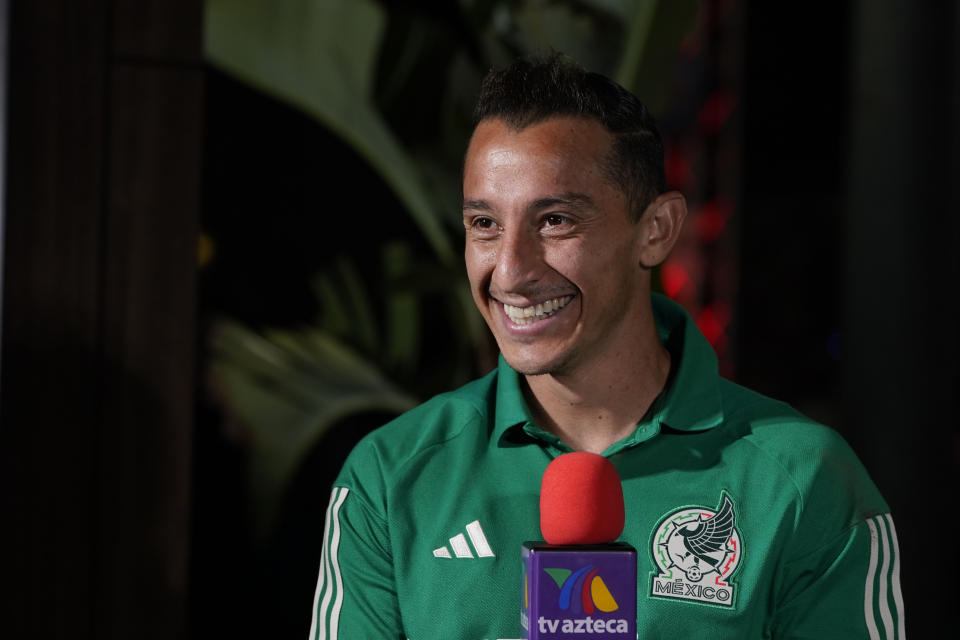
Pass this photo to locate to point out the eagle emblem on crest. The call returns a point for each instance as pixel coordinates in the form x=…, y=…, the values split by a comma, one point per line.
x=697, y=550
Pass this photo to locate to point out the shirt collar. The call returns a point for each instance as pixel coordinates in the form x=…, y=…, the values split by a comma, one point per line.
x=511, y=409
x=690, y=402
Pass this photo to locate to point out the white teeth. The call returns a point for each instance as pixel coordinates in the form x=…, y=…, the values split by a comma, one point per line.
x=526, y=315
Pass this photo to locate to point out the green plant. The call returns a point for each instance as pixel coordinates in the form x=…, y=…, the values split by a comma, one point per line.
x=365, y=70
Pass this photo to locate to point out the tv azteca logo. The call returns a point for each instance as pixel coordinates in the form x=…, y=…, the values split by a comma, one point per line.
x=582, y=592
x=697, y=550
x=594, y=593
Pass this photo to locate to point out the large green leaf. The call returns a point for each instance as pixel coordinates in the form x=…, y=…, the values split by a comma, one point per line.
x=288, y=389
x=319, y=56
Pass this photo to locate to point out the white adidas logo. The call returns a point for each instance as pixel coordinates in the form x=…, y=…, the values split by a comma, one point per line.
x=460, y=547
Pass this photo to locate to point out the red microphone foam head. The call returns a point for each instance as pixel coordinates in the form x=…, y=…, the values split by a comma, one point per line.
x=581, y=500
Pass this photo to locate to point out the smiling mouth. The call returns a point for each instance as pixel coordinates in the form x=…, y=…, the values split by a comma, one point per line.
x=528, y=315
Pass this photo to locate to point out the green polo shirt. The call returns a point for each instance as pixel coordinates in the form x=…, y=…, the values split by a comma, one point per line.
x=427, y=518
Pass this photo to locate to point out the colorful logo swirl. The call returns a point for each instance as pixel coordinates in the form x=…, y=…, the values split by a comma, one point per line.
x=593, y=592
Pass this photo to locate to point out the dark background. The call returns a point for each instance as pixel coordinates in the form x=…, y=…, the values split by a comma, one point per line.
x=118, y=486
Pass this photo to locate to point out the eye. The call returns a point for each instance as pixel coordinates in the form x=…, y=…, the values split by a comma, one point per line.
x=482, y=227
x=482, y=223
x=556, y=222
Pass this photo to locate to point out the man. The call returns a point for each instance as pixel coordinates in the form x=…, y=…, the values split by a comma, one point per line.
x=566, y=214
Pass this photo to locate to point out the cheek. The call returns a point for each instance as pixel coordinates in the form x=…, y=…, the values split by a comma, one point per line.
x=478, y=263
x=581, y=266
x=596, y=271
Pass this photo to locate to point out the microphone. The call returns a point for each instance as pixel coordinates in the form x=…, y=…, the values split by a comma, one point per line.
x=578, y=580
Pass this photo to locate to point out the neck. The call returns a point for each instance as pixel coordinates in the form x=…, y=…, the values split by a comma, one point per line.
x=601, y=402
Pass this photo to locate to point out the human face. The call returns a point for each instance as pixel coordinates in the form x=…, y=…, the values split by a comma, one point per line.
x=552, y=252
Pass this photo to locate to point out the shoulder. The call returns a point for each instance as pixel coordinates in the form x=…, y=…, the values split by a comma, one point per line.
x=831, y=484
x=776, y=427
x=390, y=450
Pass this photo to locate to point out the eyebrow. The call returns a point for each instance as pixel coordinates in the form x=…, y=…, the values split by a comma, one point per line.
x=476, y=205
x=576, y=200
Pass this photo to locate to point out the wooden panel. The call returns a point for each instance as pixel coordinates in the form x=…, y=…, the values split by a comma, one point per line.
x=98, y=339
x=149, y=307
x=162, y=30
x=49, y=405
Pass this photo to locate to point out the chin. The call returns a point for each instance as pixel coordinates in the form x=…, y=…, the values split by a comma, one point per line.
x=535, y=366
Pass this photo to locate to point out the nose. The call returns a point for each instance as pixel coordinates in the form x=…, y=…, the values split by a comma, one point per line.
x=519, y=261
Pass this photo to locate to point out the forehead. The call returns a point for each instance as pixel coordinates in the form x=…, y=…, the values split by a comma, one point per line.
x=563, y=153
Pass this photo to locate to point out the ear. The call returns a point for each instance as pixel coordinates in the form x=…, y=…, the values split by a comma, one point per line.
x=660, y=226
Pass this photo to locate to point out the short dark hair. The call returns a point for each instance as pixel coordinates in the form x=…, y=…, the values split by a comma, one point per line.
x=535, y=89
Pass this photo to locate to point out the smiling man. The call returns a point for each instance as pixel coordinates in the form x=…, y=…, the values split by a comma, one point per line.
x=559, y=260
x=566, y=213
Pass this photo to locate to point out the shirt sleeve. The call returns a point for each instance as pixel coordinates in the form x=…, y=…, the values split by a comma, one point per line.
x=847, y=588
x=356, y=592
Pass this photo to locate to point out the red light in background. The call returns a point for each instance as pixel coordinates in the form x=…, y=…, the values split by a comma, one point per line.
x=712, y=322
x=674, y=278
x=716, y=111
x=712, y=219
x=678, y=169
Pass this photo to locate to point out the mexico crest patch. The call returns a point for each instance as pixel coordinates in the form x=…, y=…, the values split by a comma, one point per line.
x=697, y=550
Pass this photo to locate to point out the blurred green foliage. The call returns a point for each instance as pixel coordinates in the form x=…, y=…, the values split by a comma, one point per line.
x=397, y=84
